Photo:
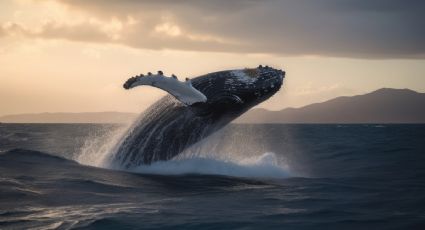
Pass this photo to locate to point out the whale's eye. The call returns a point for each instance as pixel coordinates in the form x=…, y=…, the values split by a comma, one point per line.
x=251, y=73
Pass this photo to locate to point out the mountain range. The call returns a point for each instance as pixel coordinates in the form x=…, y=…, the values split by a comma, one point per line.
x=381, y=106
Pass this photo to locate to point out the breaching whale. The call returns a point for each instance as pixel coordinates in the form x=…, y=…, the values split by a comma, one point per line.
x=194, y=109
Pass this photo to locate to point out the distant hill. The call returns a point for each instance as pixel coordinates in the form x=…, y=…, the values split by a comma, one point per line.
x=380, y=106
x=98, y=117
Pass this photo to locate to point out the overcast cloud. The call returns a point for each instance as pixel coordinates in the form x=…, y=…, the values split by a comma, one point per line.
x=342, y=28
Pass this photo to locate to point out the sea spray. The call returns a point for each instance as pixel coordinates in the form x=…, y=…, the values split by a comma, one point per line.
x=239, y=151
x=100, y=148
x=97, y=148
x=227, y=153
x=263, y=166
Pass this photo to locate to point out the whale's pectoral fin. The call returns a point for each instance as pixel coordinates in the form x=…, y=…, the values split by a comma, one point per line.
x=182, y=91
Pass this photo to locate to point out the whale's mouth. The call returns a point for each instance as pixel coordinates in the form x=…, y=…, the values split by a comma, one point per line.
x=269, y=80
x=270, y=73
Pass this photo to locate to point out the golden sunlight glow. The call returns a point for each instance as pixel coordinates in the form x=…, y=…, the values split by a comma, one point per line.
x=168, y=29
x=60, y=58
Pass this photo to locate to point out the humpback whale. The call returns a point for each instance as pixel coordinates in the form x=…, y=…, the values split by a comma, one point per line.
x=193, y=110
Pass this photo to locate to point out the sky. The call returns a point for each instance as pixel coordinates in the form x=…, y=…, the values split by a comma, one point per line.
x=74, y=55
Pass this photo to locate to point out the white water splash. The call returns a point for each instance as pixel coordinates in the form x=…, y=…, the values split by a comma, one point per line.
x=263, y=166
x=209, y=157
x=97, y=149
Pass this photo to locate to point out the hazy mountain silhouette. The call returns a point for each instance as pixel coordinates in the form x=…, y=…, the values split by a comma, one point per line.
x=380, y=106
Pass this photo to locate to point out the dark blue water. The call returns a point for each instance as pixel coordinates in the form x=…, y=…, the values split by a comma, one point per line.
x=269, y=177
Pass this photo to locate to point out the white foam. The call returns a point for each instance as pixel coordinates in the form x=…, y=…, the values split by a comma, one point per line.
x=203, y=158
x=263, y=166
x=97, y=148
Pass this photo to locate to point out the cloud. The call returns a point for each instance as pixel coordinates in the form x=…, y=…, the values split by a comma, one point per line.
x=79, y=32
x=343, y=28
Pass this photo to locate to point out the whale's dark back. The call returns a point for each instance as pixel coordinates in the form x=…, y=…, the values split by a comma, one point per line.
x=168, y=127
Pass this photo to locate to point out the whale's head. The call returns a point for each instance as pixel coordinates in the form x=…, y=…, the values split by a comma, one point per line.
x=239, y=90
x=255, y=85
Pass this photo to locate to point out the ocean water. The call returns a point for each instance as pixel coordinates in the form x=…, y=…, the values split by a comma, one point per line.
x=53, y=176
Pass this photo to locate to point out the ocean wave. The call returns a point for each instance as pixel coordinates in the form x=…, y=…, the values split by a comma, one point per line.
x=25, y=155
x=263, y=166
